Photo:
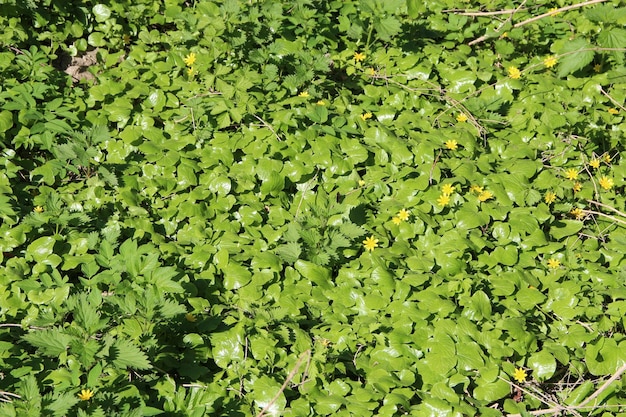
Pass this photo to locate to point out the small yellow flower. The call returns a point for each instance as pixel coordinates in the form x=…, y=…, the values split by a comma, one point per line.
x=303, y=94
x=38, y=209
x=358, y=56
x=485, y=195
x=325, y=342
x=190, y=72
x=476, y=189
x=571, y=174
x=597, y=68
x=553, y=263
x=606, y=158
x=549, y=61
x=447, y=189
x=594, y=163
x=577, y=187
x=520, y=375
x=443, y=200
x=451, y=144
x=396, y=220
x=613, y=111
x=514, y=72
x=190, y=59
x=504, y=35
x=550, y=197
x=361, y=183
x=190, y=318
x=554, y=11
x=577, y=213
x=606, y=183
x=370, y=243
x=321, y=103
x=85, y=394
x=366, y=116
x=371, y=72
x=461, y=118
x=403, y=215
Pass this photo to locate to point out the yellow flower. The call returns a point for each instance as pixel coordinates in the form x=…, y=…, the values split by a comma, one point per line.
x=190, y=72
x=461, y=118
x=520, y=375
x=38, y=209
x=597, y=68
x=613, y=111
x=550, y=197
x=447, y=189
x=606, y=183
x=443, y=200
x=366, y=116
x=396, y=220
x=370, y=243
x=190, y=317
x=485, y=195
x=606, y=158
x=451, y=144
x=504, y=35
x=554, y=11
x=476, y=189
x=303, y=94
x=190, y=59
x=321, y=103
x=514, y=72
x=571, y=174
x=577, y=187
x=361, y=183
x=553, y=263
x=594, y=163
x=549, y=61
x=371, y=71
x=85, y=394
x=358, y=56
x=403, y=215
x=577, y=213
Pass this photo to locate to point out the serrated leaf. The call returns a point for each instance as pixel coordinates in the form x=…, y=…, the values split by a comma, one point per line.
x=125, y=354
x=51, y=342
x=289, y=252
x=387, y=27
x=351, y=230
x=576, y=54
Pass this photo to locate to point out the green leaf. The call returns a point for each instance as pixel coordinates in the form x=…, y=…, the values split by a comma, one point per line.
x=125, y=354
x=101, y=12
x=576, y=54
x=236, y=276
x=51, y=342
x=542, y=364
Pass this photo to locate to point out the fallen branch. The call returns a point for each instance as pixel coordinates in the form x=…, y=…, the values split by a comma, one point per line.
x=574, y=408
x=305, y=355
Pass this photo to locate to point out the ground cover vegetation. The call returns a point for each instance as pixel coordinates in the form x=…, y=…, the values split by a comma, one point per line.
x=357, y=207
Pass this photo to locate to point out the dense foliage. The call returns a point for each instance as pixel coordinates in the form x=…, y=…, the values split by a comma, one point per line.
x=356, y=207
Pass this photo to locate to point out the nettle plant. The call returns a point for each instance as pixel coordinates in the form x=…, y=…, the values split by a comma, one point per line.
x=358, y=207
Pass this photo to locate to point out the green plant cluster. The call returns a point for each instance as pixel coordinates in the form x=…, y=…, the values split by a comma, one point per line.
x=356, y=207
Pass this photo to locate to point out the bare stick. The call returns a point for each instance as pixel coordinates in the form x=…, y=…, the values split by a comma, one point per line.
x=510, y=18
x=612, y=99
x=560, y=408
x=608, y=216
x=494, y=13
x=267, y=125
x=553, y=12
x=607, y=207
x=305, y=355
